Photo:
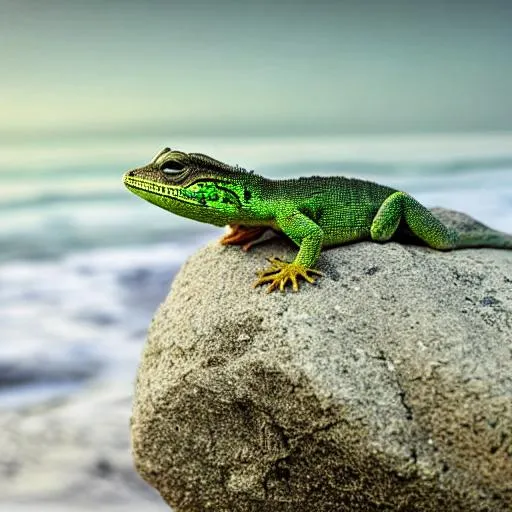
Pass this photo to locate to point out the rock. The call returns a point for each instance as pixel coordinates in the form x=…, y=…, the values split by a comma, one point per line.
x=386, y=386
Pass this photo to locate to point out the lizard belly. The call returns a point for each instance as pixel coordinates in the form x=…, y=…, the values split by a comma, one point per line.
x=345, y=227
x=344, y=235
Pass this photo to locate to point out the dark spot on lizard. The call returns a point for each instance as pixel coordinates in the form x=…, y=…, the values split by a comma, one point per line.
x=247, y=195
x=372, y=270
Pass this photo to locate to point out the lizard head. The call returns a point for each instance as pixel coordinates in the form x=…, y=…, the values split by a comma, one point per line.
x=192, y=185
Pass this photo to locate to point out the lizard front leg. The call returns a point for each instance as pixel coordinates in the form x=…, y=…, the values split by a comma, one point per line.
x=309, y=237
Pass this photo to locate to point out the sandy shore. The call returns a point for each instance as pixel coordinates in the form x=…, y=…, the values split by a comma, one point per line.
x=72, y=456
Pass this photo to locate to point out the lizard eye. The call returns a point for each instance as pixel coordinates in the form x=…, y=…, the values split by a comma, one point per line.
x=171, y=166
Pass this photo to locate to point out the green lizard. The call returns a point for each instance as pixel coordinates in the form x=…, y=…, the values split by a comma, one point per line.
x=313, y=212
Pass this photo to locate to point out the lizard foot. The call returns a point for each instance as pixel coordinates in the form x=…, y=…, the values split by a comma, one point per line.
x=280, y=272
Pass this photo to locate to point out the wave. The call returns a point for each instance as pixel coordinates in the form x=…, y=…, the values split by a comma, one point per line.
x=74, y=320
x=49, y=198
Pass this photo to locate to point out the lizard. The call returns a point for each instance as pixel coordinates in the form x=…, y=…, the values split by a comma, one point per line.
x=314, y=212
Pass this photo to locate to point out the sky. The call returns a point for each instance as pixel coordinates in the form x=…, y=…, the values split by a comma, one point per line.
x=230, y=67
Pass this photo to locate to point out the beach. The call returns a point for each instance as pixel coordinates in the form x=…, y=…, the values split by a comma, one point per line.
x=84, y=265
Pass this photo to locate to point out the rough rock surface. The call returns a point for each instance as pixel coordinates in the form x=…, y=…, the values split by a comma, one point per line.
x=386, y=386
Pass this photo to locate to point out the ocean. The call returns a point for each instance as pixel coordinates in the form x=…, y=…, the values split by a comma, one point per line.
x=84, y=264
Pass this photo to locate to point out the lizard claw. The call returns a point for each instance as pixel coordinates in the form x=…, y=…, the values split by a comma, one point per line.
x=281, y=272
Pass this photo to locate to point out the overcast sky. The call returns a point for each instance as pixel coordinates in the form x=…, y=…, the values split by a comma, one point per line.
x=230, y=66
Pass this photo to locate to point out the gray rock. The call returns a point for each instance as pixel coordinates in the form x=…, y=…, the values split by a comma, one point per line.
x=385, y=386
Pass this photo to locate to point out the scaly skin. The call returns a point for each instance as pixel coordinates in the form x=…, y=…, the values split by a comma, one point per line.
x=313, y=212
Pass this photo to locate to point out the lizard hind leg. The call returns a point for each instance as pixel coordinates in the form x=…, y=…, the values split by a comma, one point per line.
x=420, y=220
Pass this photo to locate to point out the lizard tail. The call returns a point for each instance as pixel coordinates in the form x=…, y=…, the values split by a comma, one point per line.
x=488, y=238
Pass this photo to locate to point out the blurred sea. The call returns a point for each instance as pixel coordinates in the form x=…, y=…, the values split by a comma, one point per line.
x=84, y=264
